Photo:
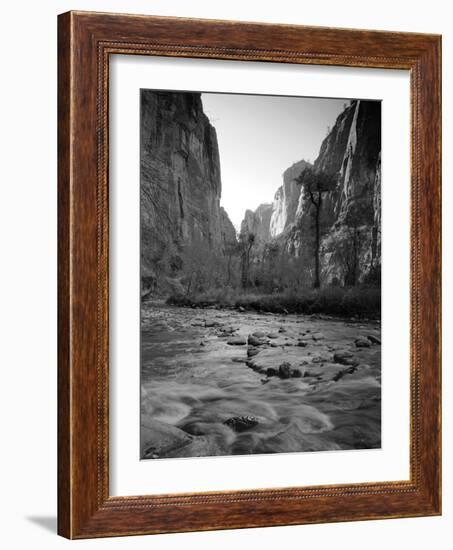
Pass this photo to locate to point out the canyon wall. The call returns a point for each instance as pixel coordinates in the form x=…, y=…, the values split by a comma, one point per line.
x=350, y=217
x=286, y=199
x=180, y=181
x=258, y=222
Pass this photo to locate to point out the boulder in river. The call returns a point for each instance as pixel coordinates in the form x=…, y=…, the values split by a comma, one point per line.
x=254, y=341
x=159, y=439
x=284, y=370
x=227, y=330
x=362, y=342
x=251, y=352
x=342, y=373
x=259, y=334
x=210, y=324
x=374, y=339
x=345, y=358
x=241, y=423
x=237, y=341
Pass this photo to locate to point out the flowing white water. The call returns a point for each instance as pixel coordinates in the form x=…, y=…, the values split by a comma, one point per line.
x=193, y=382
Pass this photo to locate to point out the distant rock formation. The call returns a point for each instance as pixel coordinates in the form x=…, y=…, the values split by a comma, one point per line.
x=258, y=222
x=286, y=200
x=180, y=179
x=227, y=230
x=351, y=212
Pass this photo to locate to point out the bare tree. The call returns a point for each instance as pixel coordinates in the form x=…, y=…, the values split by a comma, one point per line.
x=231, y=251
x=315, y=184
x=246, y=242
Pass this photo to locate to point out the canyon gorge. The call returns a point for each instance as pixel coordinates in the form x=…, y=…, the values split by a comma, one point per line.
x=263, y=338
x=181, y=194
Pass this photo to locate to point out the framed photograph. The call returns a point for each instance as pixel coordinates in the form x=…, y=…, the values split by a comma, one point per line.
x=249, y=275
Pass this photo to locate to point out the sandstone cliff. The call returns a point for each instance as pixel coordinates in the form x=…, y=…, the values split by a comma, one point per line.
x=227, y=230
x=258, y=222
x=180, y=181
x=286, y=200
x=350, y=221
x=351, y=250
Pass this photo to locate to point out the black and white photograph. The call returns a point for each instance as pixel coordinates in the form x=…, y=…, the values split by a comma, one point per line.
x=260, y=266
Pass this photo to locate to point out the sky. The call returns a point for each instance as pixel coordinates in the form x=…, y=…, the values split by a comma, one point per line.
x=260, y=137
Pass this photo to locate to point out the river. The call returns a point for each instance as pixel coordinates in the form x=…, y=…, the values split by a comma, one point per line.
x=204, y=392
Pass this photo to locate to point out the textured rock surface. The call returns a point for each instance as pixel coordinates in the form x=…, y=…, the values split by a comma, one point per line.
x=286, y=200
x=258, y=222
x=227, y=230
x=180, y=178
x=350, y=220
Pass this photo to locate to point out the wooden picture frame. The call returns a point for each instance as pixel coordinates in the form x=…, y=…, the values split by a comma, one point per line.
x=85, y=42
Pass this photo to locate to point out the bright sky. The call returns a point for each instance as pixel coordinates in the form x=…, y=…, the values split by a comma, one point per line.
x=259, y=137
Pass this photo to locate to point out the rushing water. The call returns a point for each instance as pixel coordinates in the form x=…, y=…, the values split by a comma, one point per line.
x=193, y=382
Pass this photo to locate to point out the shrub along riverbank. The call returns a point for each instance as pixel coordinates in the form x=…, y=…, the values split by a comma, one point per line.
x=337, y=301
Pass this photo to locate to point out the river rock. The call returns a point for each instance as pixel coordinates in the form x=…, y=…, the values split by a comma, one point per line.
x=254, y=341
x=241, y=423
x=251, y=352
x=159, y=439
x=259, y=334
x=227, y=330
x=210, y=324
x=284, y=370
x=318, y=336
x=237, y=341
x=362, y=342
x=342, y=373
x=272, y=335
x=319, y=359
x=374, y=339
x=345, y=358
x=302, y=343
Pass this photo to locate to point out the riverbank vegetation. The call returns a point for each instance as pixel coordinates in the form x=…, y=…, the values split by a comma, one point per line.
x=360, y=302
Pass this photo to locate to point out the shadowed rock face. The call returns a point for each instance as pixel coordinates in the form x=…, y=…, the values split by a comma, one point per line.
x=180, y=177
x=351, y=213
x=227, y=230
x=353, y=209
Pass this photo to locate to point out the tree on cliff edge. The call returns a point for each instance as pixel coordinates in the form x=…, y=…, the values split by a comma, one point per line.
x=314, y=186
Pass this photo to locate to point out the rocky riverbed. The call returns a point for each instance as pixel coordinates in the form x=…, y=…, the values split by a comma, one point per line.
x=221, y=382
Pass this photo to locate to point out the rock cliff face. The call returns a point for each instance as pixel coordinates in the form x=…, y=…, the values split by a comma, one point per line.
x=180, y=179
x=227, y=230
x=351, y=249
x=258, y=222
x=350, y=220
x=286, y=200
